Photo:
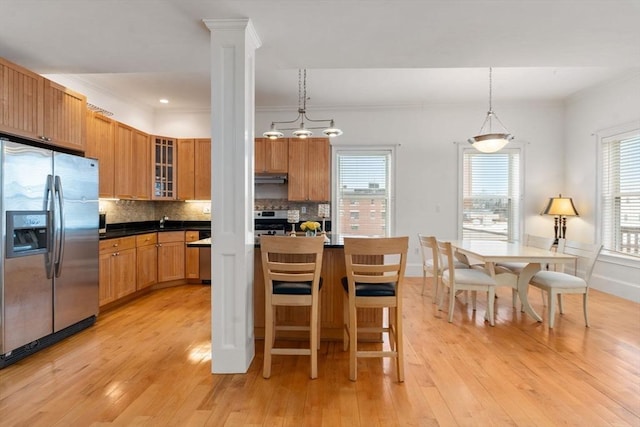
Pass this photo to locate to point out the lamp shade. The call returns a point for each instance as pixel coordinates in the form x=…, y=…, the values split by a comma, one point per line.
x=560, y=206
x=491, y=142
x=324, y=210
x=293, y=215
x=273, y=133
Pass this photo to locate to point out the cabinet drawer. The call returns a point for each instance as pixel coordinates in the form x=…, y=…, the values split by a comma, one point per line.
x=170, y=236
x=191, y=236
x=119, y=244
x=146, y=239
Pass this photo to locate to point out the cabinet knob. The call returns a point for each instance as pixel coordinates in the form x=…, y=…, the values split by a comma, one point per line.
x=115, y=245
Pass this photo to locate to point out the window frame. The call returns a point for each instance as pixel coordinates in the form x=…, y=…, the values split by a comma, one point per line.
x=513, y=147
x=390, y=211
x=604, y=137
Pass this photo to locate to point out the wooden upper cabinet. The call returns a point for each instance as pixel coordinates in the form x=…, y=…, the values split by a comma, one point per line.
x=186, y=183
x=21, y=101
x=101, y=145
x=64, y=117
x=36, y=108
x=164, y=162
x=125, y=157
x=143, y=167
x=124, y=162
x=194, y=169
x=309, y=169
x=271, y=155
x=202, y=169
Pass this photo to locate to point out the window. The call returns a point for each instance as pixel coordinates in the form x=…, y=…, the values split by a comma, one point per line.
x=620, y=193
x=491, y=194
x=362, y=180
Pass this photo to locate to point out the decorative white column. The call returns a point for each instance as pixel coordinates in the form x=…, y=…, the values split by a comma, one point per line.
x=233, y=45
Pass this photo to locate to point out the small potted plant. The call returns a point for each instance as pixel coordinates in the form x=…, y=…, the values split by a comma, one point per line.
x=310, y=228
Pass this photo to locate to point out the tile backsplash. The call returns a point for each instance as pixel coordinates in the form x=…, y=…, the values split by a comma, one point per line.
x=119, y=211
x=308, y=210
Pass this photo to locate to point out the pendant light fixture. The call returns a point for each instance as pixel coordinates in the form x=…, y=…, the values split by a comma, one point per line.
x=490, y=140
x=301, y=131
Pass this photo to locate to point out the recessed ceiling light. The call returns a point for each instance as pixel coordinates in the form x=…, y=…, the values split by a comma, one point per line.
x=164, y=101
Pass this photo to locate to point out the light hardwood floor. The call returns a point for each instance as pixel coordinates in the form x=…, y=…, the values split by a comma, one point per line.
x=148, y=364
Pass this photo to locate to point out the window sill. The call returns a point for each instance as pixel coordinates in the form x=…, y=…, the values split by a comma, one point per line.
x=619, y=259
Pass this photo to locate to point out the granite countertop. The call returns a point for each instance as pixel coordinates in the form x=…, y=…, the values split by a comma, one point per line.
x=335, y=241
x=126, y=229
x=204, y=243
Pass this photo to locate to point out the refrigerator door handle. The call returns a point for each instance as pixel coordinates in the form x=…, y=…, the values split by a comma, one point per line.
x=51, y=238
x=61, y=220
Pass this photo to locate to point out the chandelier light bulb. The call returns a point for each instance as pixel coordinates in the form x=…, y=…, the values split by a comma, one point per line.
x=273, y=133
x=302, y=133
x=332, y=131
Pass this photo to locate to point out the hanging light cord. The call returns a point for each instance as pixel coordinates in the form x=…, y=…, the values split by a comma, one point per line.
x=491, y=89
x=490, y=114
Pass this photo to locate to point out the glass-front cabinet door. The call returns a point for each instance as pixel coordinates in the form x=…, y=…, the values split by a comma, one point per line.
x=164, y=163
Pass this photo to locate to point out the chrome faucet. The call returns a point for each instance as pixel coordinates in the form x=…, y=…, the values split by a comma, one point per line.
x=162, y=220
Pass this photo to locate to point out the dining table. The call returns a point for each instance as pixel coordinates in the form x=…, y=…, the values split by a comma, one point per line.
x=491, y=252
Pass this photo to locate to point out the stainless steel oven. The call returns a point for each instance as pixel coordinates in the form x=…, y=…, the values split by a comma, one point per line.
x=272, y=222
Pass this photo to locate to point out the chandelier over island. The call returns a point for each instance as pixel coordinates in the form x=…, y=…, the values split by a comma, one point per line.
x=489, y=140
x=301, y=131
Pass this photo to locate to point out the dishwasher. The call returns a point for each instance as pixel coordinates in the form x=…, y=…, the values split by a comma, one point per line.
x=205, y=259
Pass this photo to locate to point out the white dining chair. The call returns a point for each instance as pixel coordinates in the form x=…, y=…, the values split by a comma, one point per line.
x=557, y=283
x=433, y=265
x=507, y=273
x=465, y=279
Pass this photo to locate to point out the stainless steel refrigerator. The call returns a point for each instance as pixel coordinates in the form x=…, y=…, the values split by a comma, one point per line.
x=49, y=253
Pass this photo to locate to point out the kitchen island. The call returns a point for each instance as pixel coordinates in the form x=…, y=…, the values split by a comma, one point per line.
x=331, y=296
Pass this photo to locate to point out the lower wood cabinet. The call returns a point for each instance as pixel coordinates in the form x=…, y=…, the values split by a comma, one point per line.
x=192, y=256
x=117, y=267
x=131, y=264
x=170, y=255
x=147, y=260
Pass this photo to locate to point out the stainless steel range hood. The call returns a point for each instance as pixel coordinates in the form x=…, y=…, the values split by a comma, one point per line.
x=270, y=179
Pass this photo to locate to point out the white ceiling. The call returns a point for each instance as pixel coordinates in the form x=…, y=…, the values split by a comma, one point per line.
x=357, y=52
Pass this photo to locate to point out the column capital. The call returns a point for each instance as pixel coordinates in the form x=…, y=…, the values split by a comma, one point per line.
x=235, y=24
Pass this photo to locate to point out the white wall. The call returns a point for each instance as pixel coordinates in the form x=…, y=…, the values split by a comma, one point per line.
x=183, y=124
x=560, y=157
x=427, y=158
x=614, y=104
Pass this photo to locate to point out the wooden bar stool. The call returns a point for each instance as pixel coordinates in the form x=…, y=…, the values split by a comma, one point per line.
x=291, y=267
x=375, y=274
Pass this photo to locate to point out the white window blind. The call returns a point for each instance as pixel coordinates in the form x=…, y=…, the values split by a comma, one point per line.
x=491, y=193
x=620, y=193
x=363, y=192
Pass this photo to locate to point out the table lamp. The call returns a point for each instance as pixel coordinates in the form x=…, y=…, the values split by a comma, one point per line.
x=293, y=217
x=560, y=207
x=324, y=211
